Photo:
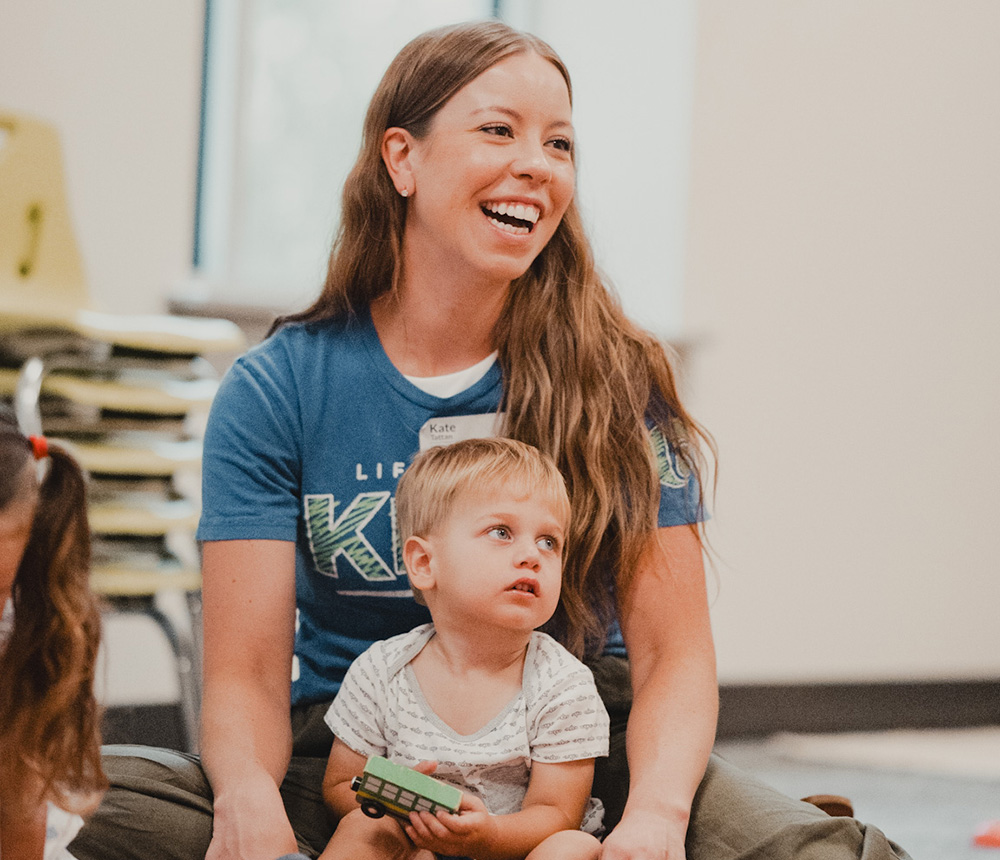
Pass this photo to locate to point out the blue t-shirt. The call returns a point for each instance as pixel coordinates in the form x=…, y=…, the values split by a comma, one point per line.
x=308, y=435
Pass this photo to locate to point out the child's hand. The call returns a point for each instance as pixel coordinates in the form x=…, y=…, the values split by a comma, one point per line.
x=468, y=833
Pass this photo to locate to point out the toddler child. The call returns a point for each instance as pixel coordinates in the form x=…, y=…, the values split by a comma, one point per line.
x=479, y=697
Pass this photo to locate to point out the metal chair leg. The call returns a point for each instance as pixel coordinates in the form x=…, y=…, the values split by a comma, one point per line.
x=186, y=660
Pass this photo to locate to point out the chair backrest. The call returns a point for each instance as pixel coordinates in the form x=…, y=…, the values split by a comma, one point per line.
x=41, y=269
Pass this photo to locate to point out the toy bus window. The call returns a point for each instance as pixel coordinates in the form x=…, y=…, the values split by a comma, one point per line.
x=391, y=791
x=371, y=783
x=407, y=798
x=423, y=805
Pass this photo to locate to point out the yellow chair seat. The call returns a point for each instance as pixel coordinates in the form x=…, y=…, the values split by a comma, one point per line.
x=129, y=454
x=21, y=311
x=122, y=580
x=135, y=391
x=135, y=514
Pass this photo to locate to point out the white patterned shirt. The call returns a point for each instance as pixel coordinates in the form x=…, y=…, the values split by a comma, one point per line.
x=557, y=716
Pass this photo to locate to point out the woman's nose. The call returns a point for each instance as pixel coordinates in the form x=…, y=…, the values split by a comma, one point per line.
x=532, y=162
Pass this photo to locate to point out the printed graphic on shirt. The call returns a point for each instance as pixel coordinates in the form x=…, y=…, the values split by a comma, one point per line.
x=332, y=536
x=673, y=471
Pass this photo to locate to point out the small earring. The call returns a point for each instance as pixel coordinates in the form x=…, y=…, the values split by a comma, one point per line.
x=403, y=192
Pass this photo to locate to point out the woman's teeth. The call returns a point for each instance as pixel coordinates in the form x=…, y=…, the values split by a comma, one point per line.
x=515, y=218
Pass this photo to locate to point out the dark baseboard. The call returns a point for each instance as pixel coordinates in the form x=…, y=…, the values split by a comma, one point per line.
x=763, y=709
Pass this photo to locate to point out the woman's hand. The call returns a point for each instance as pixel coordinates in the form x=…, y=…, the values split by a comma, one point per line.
x=250, y=824
x=644, y=836
x=469, y=833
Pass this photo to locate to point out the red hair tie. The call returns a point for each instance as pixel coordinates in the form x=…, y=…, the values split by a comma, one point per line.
x=40, y=446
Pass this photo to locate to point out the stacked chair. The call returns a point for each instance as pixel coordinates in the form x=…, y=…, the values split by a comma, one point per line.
x=128, y=395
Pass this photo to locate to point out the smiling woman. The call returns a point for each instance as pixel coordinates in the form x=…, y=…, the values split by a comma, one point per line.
x=302, y=558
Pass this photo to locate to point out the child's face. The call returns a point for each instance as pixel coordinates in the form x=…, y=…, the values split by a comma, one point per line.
x=15, y=526
x=497, y=560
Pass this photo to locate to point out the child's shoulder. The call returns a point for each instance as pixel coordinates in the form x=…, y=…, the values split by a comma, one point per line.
x=554, y=677
x=547, y=656
x=396, y=651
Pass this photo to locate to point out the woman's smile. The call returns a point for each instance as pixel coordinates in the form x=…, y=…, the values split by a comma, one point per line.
x=513, y=217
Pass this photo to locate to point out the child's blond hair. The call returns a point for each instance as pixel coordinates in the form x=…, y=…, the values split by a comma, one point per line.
x=429, y=489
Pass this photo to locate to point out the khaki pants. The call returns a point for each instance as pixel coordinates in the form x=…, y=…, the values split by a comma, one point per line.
x=159, y=806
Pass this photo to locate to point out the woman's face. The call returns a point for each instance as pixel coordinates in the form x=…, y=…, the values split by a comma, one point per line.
x=15, y=526
x=494, y=175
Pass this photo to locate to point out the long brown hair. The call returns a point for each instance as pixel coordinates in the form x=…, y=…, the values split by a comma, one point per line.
x=580, y=380
x=49, y=719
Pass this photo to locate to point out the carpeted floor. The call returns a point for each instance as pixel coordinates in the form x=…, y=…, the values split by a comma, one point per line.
x=929, y=791
x=967, y=752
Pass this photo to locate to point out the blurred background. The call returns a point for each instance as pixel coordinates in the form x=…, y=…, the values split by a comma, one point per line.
x=803, y=196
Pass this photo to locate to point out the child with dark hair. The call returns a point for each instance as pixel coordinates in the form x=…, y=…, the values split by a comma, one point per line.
x=50, y=766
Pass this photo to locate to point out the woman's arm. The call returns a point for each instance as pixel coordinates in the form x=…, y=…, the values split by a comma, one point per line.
x=246, y=738
x=556, y=799
x=671, y=729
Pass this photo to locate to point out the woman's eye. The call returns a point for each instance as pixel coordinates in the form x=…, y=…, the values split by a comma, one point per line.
x=563, y=143
x=499, y=130
x=501, y=532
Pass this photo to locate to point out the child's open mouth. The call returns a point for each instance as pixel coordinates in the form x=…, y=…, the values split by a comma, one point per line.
x=526, y=586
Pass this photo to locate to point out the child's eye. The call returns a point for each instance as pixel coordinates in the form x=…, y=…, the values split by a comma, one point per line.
x=547, y=544
x=500, y=532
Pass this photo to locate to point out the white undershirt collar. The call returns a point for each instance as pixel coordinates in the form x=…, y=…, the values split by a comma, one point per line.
x=450, y=384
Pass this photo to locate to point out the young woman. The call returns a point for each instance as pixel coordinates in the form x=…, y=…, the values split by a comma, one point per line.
x=50, y=767
x=461, y=300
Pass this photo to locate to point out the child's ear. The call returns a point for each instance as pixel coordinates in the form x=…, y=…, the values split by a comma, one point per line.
x=417, y=553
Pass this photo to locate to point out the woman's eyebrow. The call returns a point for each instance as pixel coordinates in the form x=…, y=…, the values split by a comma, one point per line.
x=507, y=111
x=516, y=115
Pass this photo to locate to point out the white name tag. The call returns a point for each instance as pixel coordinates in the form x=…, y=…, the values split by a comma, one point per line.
x=444, y=431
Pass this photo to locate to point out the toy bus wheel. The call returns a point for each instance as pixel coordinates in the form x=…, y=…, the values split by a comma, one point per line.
x=372, y=809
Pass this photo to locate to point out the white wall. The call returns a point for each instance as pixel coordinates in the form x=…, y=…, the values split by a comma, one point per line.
x=121, y=81
x=843, y=279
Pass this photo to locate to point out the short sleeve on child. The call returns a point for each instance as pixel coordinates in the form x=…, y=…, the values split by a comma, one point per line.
x=566, y=717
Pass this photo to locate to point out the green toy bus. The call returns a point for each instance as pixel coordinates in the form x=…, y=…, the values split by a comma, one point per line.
x=384, y=787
